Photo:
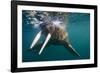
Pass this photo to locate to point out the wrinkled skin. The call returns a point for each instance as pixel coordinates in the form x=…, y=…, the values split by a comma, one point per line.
x=56, y=32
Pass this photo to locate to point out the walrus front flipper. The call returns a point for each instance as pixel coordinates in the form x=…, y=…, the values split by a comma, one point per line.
x=70, y=48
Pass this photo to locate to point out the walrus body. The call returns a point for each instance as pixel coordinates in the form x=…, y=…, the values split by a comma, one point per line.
x=52, y=25
x=59, y=36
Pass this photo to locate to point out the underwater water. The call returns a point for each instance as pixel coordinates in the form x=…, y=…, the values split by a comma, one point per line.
x=79, y=36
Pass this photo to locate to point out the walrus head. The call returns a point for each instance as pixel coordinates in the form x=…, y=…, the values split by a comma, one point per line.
x=47, y=27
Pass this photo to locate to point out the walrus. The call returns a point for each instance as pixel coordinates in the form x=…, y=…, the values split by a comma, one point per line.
x=53, y=26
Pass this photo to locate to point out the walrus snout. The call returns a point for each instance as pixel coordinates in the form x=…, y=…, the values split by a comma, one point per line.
x=47, y=27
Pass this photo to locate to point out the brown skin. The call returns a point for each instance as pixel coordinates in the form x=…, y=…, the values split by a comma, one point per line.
x=58, y=37
x=57, y=33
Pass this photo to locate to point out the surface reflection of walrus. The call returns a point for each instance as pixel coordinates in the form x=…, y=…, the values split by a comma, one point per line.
x=55, y=35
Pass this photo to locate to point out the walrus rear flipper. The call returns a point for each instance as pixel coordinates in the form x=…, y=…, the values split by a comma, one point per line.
x=70, y=48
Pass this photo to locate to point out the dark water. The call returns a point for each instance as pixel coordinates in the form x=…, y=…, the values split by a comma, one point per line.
x=79, y=35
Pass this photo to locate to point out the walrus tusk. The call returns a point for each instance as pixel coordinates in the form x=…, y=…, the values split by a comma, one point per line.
x=46, y=41
x=36, y=39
